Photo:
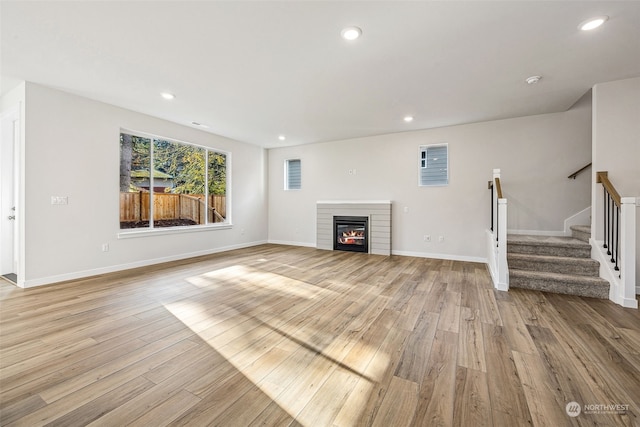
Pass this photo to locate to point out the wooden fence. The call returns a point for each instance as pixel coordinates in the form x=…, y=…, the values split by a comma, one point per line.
x=134, y=206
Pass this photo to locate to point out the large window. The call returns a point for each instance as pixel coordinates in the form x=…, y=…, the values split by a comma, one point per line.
x=433, y=166
x=176, y=184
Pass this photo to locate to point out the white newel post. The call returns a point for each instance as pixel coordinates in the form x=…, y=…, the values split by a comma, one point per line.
x=628, y=251
x=497, y=240
x=503, y=268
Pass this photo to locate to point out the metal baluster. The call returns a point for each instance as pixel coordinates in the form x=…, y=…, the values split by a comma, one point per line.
x=605, y=205
x=609, y=223
x=491, y=203
x=616, y=247
x=613, y=236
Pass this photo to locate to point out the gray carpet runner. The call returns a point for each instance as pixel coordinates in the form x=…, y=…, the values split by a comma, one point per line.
x=556, y=264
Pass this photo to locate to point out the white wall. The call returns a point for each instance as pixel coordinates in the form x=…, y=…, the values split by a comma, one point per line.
x=72, y=150
x=535, y=154
x=616, y=146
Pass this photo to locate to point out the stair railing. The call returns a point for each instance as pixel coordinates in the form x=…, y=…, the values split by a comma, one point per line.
x=619, y=227
x=611, y=218
x=576, y=173
x=497, y=235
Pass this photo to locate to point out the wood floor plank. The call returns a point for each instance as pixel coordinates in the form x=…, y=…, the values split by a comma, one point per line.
x=399, y=404
x=293, y=336
x=147, y=401
x=437, y=390
x=516, y=332
x=414, y=360
x=472, y=405
x=471, y=353
x=544, y=408
x=450, y=312
x=90, y=411
x=363, y=403
x=505, y=387
x=488, y=307
x=164, y=349
x=167, y=411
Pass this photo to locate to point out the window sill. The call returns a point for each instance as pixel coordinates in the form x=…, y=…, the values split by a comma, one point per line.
x=130, y=234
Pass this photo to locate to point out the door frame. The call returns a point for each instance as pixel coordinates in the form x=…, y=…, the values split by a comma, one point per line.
x=10, y=144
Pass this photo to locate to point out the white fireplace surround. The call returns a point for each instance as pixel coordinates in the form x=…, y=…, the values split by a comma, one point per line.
x=378, y=212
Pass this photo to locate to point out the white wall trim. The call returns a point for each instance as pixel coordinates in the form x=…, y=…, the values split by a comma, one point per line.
x=581, y=218
x=398, y=253
x=291, y=243
x=114, y=268
x=440, y=256
x=616, y=287
x=538, y=232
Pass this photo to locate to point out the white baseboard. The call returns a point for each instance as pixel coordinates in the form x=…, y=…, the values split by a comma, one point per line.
x=440, y=256
x=289, y=243
x=120, y=267
x=399, y=253
x=537, y=232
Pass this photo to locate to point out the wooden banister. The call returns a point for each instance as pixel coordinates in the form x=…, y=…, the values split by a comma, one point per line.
x=576, y=173
x=498, y=188
x=603, y=178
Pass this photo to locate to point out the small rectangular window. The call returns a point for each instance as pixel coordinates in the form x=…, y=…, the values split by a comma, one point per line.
x=434, y=165
x=293, y=175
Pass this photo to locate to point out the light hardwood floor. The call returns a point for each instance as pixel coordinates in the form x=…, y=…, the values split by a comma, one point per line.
x=276, y=336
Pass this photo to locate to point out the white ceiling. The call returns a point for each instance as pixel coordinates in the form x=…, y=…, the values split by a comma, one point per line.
x=254, y=70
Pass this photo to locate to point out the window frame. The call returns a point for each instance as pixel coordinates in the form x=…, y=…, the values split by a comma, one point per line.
x=287, y=183
x=140, y=232
x=423, y=163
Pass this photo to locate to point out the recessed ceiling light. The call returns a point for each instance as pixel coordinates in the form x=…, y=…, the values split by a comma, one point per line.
x=351, y=33
x=282, y=137
x=200, y=125
x=593, y=23
x=167, y=95
x=408, y=119
x=533, y=80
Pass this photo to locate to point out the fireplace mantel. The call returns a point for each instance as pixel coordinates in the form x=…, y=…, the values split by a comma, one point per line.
x=354, y=202
x=378, y=212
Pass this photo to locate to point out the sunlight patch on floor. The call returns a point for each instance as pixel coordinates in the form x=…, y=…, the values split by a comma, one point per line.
x=264, y=333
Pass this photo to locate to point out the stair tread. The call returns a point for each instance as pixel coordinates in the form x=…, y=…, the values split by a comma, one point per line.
x=558, y=241
x=581, y=228
x=551, y=258
x=558, y=277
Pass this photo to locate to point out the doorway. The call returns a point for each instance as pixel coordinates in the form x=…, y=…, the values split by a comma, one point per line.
x=9, y=149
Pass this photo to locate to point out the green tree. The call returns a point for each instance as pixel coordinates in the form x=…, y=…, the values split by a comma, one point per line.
x=217, y=173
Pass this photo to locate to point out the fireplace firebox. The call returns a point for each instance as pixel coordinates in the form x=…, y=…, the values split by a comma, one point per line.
x=351, y=233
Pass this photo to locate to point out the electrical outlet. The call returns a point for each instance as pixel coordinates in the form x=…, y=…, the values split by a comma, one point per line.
x=105, y=247
x=59, y=200
x=440, y=238
x=427, y=237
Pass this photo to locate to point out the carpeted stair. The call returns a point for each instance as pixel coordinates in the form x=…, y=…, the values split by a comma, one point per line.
x=556, y=264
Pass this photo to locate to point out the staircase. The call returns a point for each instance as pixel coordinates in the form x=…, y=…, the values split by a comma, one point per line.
x=556, y=264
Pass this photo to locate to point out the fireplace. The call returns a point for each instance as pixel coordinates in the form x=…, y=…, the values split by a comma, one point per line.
x=351, y=233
